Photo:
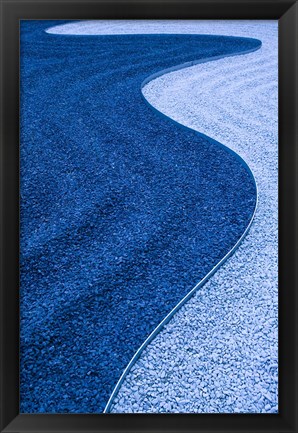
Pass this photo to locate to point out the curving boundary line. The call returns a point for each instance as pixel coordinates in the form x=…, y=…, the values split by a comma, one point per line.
x=232, y=250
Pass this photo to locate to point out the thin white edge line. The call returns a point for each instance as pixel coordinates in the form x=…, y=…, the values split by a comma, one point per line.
x=214, y=269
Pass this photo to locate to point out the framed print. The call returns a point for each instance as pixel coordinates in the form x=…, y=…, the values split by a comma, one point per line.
x=148, y=211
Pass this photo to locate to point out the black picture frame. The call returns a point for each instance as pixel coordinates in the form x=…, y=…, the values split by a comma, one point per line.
x=286, y=11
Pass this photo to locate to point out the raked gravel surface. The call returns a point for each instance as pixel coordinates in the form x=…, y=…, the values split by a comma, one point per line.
x=219, y=352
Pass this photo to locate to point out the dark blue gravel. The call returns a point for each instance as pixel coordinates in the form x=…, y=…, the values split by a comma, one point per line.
x=122, y=212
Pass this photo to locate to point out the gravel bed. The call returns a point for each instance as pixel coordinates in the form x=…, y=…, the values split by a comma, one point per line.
x=122, y=212
x=219, y=353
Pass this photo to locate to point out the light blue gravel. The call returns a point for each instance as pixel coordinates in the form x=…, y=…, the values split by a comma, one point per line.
x=219, y=353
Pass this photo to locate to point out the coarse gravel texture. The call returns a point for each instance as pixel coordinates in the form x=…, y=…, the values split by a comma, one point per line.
x=219, y=353
x=122, y=212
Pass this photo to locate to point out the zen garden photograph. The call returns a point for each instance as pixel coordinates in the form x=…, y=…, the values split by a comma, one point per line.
x=149, y=216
